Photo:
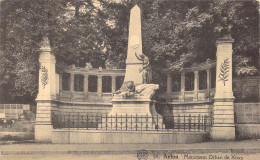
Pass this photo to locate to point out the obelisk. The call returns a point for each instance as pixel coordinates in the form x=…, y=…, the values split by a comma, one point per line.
x=133, y=65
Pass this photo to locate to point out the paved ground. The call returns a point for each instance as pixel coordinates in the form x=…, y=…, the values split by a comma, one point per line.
x=216, y=156
x=228, y=146
x=235, y=150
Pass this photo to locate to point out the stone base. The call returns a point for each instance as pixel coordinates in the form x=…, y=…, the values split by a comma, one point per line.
x=132, y=114
x=247, y=131
x=43, y=133
x=64, y=136
x=222, y=133
x=144, y=107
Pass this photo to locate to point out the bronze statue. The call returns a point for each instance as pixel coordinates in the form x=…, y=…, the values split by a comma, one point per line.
x=146, y=70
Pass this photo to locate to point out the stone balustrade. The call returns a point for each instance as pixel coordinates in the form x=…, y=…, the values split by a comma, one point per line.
x=90, y=85
x=197, y=84
x=95, y=85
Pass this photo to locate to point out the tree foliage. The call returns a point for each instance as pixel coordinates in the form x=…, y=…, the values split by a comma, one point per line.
x=73, y=27
x=181, y=33
x=177, y=33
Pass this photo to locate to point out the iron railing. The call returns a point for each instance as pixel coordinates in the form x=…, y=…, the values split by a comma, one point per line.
x=131, y=122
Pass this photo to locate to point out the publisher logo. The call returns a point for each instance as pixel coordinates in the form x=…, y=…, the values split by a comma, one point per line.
x=142, y=154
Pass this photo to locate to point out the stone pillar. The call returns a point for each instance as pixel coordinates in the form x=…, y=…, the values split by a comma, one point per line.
x=113, y=84
x=208, y=82
x=196, y=85
x=223, y=110
x=85, y=88
x=169, y=86
x=99, y=86
x=72, y=86
x=182, y=86
x=46, y=93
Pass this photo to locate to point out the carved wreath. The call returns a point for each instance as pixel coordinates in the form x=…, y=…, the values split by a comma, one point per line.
x=224, y=69
x=44, y=78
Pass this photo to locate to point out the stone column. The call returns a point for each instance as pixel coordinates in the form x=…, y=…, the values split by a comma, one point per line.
x=208, y=82
x=72, y=86
x=223, y=110
x=169, y=86
x=182, y=86
x=85, y=88
x=196, y=85
x=60, y=83
x=113, y=84
x=99, y=86
x=57, y=77
x=46, y=93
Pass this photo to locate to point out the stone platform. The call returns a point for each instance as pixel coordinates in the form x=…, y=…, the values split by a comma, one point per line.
x=132, y=114
x=64, y=136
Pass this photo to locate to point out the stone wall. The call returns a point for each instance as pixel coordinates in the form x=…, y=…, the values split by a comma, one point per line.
x=94, y=108
x=247, y=120
x=187, y=109
x=247, y=131
x=247, y=89
x=247, y=113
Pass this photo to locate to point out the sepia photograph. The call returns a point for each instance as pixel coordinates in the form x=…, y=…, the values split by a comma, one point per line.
x=129, y=80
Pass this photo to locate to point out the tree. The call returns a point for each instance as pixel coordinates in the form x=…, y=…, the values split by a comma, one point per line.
x=177, y=33
x=182, y=33
x=23, y=23
x=73, y=28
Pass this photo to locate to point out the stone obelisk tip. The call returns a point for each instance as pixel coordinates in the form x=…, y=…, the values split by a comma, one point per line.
x=135, y=7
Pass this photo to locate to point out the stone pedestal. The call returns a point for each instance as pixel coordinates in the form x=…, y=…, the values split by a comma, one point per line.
x=219, y=133
x=144, y=107
x=46, y=93
x=43, y=125
x=223, y=110
x=223, y=114
x=132, y=112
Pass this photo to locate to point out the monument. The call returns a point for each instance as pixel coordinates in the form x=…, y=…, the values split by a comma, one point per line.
x=135, y=96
